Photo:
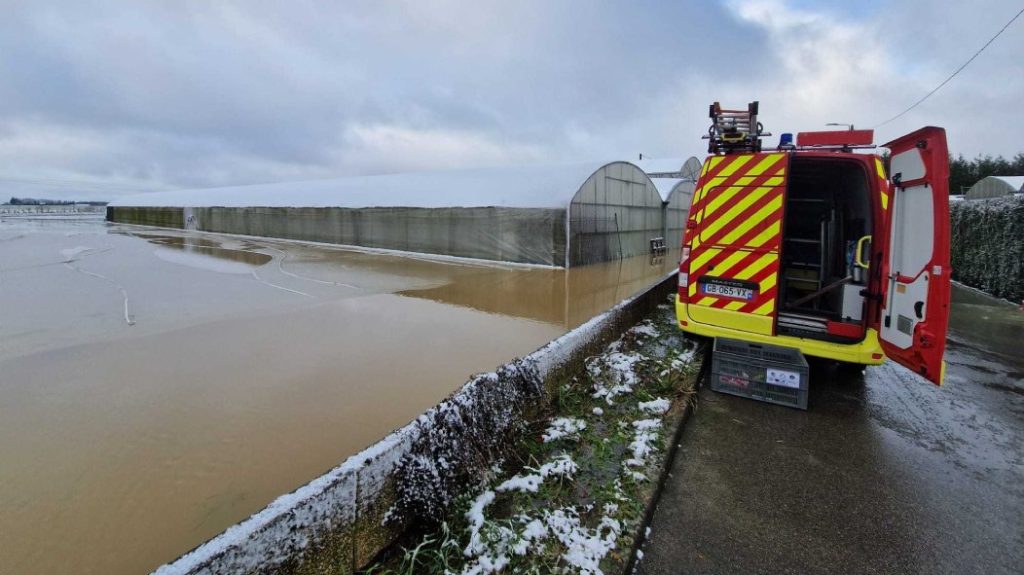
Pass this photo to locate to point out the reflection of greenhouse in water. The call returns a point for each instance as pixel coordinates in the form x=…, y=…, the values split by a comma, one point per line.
x=568, y=297
x=564, y=216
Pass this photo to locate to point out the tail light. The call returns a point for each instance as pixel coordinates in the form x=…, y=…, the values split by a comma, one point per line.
x=684, y=275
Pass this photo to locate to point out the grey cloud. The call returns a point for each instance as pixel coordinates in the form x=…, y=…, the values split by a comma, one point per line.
x=183, y=94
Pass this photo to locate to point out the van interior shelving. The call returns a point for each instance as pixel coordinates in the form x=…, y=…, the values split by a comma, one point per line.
x=827, y=212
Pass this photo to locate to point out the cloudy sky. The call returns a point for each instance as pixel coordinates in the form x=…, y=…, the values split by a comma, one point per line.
x=101, y=99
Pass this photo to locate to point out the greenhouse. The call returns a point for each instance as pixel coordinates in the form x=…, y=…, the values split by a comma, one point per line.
x=995, y=187
x=565, y=215
x=677, y=194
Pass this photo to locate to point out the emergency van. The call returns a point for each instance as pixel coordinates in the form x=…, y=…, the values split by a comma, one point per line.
x=816, y=246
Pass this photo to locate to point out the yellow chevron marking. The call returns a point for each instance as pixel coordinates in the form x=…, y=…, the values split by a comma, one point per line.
x=727, y=218
x=707, y=301
x=722, y=196
x=735, y=305
x=762, y=238
x=761, y=263
x=728, y=262
x=769, y=282
x=727, y=172
x=707, y=166
x=766, y=309
x=762, y=166
x=883, y=184
x=749, y=223
x=703, y=258
x=737, y=163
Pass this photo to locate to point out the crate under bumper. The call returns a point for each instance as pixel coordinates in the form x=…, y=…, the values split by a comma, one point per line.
x=764, y=372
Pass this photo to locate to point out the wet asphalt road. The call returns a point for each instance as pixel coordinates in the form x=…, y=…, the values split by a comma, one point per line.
x=883, y=474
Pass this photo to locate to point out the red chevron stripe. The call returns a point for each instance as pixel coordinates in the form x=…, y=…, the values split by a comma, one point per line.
x=771, y=172
x=699, y=202
x=763, y=299
x=760, y=298
x=741, y=241
x=750, y=258
x=744, y=215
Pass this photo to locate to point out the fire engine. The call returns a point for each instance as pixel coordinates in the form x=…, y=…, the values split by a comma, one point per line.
x=817, y=246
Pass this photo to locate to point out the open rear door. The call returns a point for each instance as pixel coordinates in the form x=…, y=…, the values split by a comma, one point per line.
x=916, y=307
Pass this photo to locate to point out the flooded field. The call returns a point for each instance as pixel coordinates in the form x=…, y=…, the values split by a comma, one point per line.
x=158, y=386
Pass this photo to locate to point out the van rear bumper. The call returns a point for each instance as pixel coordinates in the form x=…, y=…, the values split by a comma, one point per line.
x=867, y=352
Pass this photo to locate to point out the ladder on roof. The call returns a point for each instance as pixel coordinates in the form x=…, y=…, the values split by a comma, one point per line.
x=734, y=131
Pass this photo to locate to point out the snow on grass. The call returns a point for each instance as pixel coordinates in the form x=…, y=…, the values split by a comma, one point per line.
x=476, y=519
x=539, y=528
x=658, y=406
x=646, y=329
x=564, y=428
x=647, y=431
x=614, y=374
x=584, y=548
x=560, y=466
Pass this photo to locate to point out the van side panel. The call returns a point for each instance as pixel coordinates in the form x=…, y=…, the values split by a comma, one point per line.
x=735, y=240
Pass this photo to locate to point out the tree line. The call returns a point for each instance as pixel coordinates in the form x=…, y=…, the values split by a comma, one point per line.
x=47, y=202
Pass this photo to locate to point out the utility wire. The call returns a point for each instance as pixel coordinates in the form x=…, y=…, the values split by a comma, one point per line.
x=953, y=75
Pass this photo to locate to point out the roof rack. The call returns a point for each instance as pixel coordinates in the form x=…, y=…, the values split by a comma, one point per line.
x=734, y=131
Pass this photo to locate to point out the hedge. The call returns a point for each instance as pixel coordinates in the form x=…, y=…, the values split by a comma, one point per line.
x=987, y=246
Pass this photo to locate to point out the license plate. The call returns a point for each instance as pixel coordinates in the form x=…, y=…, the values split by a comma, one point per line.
x=728, y=291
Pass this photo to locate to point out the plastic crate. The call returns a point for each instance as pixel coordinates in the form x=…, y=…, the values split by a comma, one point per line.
x=760, y=351
x=753, y=376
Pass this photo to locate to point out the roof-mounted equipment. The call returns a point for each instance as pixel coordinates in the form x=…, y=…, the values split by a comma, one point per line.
x=839, y=140
x=734, y=130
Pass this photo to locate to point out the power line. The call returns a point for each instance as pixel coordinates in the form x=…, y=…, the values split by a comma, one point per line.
x=953, y=75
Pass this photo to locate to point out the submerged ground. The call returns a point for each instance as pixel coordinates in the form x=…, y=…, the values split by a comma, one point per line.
x=158, y=386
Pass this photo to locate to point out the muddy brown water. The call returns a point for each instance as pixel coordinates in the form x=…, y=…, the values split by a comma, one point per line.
x=157, y=387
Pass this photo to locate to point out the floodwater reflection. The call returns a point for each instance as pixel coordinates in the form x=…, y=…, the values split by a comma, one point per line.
x=124, y=445
x=566, y=298
x=206, y=254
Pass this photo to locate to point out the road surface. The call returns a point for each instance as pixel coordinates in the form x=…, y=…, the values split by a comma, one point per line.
x=883, y=474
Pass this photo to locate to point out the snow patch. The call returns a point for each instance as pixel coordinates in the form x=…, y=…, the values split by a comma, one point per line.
x=476, y=519
x=643, y=441
x=584, y=548
x=564, y=428
x=560, y=466
x=644, y=329
x=620, y=369
x=657, y=406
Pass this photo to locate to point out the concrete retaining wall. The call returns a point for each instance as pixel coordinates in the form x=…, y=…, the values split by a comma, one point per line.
x=987, y=245
x=340, y=521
